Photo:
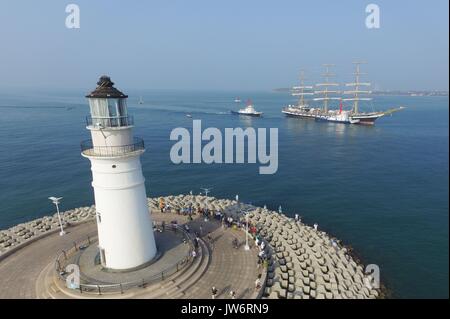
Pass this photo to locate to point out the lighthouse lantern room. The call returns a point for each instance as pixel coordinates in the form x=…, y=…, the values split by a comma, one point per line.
x=125, y=227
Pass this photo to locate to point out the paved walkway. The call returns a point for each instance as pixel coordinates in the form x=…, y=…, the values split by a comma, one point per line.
x=229, y=268
x=19, y=271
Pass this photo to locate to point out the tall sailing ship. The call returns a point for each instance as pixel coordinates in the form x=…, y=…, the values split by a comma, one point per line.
x=328, y=91
x=356, y=95
x=302, y=109
x=325, y=89
x=367, y=118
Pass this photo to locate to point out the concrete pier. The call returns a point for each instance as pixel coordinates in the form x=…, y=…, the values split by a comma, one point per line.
x=302, y=263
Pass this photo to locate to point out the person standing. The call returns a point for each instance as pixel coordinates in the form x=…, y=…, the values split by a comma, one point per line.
x=258, y=282
x=196, y=242
x=263, y=245
x=213, y=292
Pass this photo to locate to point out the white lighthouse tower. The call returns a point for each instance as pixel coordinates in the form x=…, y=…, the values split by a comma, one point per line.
x=125, y=227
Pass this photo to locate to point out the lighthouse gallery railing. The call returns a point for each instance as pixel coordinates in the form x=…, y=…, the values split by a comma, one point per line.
x=88, y=148
x=114, y=121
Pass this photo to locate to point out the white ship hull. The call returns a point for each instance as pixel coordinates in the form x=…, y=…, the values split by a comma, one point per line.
x=255, y=114
x=342, y=117
x=301, y=114
x=367, y=118
x=299, y=111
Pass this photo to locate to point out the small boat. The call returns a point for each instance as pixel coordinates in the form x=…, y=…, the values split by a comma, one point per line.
x=237, y=100
x=141, y=101
x=189, y=115
x=249, y=110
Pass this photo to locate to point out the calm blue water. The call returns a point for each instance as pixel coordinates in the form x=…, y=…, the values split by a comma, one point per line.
x=382, y=189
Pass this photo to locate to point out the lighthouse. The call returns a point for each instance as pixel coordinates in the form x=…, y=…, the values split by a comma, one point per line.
x=125, y=227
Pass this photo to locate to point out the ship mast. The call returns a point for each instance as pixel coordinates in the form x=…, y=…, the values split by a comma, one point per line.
x=300, y=90
x=325, y=91
x=356, y=91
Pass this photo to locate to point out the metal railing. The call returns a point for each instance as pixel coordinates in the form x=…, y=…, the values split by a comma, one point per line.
x=88, y=148
x=62, y=260
x=118, y=121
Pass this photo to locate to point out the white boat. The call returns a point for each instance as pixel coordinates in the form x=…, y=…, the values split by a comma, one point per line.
x=141, y=101
x=249, y=110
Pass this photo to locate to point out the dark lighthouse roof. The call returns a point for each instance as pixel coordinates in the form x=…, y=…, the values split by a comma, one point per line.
x=105, y=89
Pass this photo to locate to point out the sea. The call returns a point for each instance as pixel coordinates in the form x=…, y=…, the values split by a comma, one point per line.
x=382, y=190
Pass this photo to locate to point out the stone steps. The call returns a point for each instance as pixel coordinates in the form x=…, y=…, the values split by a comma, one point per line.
x=178, y=285
x=190, y=281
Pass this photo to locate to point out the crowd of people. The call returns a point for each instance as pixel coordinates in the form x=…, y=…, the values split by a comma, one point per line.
x=227, y=222
x=190, y=211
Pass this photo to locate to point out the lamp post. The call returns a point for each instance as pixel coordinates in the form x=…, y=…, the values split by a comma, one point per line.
x=206, y=191
x=56, y=201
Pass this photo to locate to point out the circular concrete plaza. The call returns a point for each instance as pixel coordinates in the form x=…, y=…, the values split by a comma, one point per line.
x=30, y=272
x=174, y=253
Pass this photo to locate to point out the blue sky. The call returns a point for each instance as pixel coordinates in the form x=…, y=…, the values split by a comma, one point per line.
x=226, y=45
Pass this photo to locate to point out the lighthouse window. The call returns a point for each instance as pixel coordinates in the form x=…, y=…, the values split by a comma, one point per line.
x=99, y=217
x=109, y=112
x=99, y=108
x=122, y=107
x=114, y=166
x=112, y=107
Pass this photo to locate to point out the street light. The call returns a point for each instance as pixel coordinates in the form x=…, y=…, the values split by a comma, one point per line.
x=206, y=190
x=55, y=201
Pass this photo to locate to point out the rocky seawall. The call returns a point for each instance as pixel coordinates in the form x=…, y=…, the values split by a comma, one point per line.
x=303, y=262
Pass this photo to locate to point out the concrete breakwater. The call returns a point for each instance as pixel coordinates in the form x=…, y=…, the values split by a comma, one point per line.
x=303, y=262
